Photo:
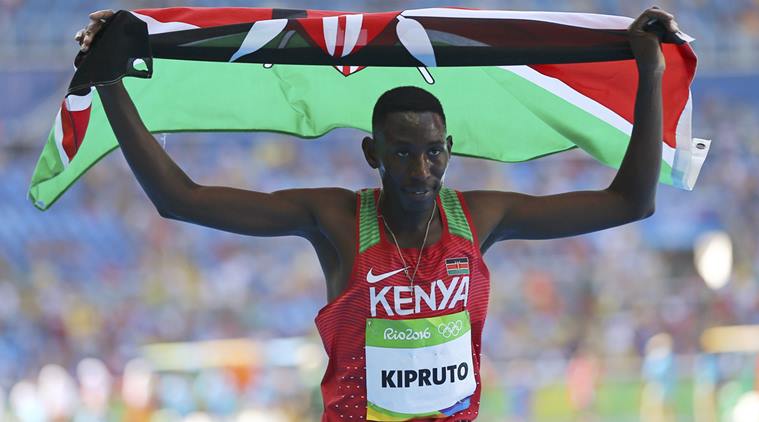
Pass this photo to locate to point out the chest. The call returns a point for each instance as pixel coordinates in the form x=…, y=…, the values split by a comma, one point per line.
x=394, y=282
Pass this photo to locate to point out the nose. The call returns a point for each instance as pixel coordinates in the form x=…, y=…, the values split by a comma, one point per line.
x=420, y=167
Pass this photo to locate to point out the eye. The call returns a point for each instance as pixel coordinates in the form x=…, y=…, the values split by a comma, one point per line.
x=434, y=152
x=401, y=154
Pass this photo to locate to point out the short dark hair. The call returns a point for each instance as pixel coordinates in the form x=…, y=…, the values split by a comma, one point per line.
x=405, y=98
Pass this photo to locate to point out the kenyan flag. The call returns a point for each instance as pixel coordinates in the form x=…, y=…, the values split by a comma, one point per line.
x=457, y=266
x=514, y=85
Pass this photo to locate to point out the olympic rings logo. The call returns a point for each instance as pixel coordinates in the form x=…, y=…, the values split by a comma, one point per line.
x=450, y=329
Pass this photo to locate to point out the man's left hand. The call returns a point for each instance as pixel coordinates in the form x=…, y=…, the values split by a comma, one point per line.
x=645, y=42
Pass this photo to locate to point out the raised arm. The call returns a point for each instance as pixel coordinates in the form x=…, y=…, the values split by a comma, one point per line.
x=629, y=197
x=176, y=196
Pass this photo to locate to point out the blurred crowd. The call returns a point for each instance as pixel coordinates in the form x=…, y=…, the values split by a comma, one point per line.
x=86, y=285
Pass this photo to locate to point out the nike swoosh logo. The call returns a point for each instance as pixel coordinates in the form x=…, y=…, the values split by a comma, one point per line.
x=371, y=278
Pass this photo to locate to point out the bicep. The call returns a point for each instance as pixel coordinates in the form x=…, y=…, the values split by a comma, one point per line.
x=281, y=213
x=561, y=215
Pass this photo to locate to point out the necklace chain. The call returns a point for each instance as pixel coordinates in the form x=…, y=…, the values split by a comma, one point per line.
x=397, y=246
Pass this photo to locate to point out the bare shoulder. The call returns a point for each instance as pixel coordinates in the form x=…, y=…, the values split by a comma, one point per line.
x=332, y=193
x=487, y=209
x=485, y=202
x=334, y=210
x=330, y=203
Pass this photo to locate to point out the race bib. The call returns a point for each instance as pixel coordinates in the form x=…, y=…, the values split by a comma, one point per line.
x=418, y=367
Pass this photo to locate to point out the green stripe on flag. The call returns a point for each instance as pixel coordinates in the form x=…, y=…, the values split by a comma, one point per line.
x=48, y=165
x=458, y=272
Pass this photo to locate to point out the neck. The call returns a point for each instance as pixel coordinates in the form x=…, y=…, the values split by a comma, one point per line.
x=403, y=220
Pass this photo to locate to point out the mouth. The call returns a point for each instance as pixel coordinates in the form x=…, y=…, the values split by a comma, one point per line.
x=417, y=193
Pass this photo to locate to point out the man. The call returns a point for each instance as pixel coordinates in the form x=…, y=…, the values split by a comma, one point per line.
x=407, y=288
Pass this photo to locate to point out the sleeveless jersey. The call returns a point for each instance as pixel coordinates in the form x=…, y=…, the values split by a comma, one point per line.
x=399, y=351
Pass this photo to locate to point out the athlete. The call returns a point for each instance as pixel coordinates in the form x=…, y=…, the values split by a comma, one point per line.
x=407, y=287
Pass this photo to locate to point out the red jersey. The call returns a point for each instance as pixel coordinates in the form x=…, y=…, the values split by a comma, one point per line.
x=400, y=350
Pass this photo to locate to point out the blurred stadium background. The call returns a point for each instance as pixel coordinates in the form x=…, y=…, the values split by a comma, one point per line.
x=108, y=312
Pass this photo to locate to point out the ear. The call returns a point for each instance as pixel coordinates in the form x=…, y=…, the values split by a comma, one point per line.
x=449, y=143
x=370, y=154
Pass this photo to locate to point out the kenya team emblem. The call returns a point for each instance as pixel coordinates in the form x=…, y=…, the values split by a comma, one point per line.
x=457, y=266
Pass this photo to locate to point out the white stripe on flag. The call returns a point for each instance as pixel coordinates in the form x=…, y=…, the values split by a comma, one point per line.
x=583, y=20
x=697, y=157
x=682, y=154
x=58, y=134
x=330, y=33
x=690, y=153
x=258, y=36
x=158, y=27
x=352, y=32
x=79, y=102
x=667, y=154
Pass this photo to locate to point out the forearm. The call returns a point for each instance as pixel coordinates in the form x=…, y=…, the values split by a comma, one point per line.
x=638, y=174
x=176, y=196
x=161, y=179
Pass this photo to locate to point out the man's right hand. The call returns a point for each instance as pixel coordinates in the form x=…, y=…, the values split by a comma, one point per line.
x=85, y=35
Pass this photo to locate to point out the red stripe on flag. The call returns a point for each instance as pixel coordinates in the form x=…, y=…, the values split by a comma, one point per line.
x=67, y=127
x=81, y=120
x=340, y=41
x=205, y=17
x=315, y=30
x=208, y=16
x=74, y=127
x=614, y=84
x=372, y=25
x=325, y=13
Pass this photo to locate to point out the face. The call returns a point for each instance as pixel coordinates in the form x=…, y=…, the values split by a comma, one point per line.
x=411, y=151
